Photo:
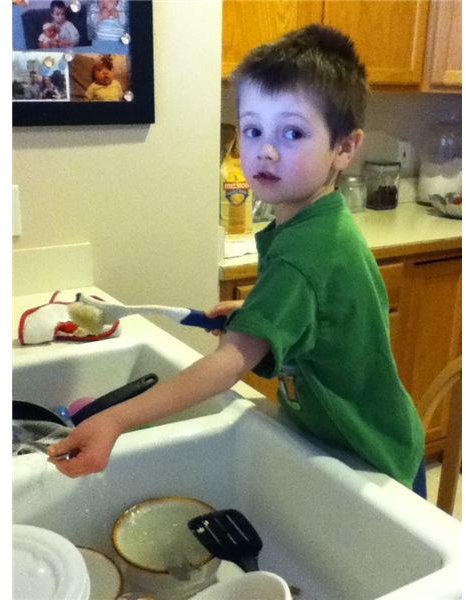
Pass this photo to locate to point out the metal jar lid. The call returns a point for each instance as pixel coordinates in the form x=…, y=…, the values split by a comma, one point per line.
x=382, y=165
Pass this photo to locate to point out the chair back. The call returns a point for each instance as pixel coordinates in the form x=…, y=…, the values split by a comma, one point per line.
x=448, y=380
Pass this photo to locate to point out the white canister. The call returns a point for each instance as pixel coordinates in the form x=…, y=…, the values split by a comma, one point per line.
x=441, y=155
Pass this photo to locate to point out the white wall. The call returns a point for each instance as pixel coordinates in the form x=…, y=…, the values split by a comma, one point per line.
x=146, y=197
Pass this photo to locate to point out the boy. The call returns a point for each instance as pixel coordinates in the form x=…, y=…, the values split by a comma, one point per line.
x=318, y=314
x=68, y=34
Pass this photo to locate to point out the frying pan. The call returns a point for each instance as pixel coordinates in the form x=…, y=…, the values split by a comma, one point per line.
x=28, y=411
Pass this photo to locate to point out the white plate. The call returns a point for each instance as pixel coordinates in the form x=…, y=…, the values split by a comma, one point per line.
x=47, y=565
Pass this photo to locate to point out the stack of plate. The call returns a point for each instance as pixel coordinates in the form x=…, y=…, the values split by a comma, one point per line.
x=47, y=566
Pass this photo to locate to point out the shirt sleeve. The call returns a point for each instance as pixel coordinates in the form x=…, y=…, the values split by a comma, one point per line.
x=281, y=309
x=69, y=32
x=89, y=93
x=119, y=89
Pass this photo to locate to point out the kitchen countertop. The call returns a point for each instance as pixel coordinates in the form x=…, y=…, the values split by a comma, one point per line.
x=410, y=228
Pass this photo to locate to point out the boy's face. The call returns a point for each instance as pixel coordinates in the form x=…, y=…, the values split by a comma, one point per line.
x=58, y=15
x=285, y=147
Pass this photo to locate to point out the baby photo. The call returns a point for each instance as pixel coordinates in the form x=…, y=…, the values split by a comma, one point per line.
x=99, y=77
x=37, y=76
x=49, y=24
x=107, y=20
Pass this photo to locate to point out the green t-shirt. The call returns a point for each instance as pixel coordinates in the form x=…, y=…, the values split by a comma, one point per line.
x=321, y=304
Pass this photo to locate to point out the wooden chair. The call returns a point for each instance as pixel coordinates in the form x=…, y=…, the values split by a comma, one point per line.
x=449, y=379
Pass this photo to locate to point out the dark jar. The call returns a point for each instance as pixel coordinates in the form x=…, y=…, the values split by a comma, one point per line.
x=382, y=182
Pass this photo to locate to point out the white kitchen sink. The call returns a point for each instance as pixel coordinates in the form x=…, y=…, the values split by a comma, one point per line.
x=329, y=526
x=326, y=528
x=60, y=373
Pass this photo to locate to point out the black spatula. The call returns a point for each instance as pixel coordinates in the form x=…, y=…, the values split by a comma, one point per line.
x=228, y=535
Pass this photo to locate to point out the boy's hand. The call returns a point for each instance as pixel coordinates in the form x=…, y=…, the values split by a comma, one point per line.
x=223, y=309
x=90, y=445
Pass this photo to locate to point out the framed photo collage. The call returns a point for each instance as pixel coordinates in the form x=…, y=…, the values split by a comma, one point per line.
x=82, y=62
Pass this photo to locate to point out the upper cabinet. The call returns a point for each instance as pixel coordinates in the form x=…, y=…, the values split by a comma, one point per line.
x=442, y=71
x=403, y=43
x=250, y=23
x=389, y=36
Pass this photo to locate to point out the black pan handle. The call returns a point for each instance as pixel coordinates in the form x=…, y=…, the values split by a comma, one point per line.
x=121, y=394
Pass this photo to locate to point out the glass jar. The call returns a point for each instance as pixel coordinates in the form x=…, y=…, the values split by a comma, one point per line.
x=353, y=188
x=440, y=171
x=382, y=182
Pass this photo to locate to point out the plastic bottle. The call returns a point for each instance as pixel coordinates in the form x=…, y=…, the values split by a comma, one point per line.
x=236, y=198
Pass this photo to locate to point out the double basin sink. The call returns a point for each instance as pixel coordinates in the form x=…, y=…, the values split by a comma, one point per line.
x=330, y=526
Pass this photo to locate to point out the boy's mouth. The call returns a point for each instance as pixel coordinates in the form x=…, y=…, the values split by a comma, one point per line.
x=266, y=177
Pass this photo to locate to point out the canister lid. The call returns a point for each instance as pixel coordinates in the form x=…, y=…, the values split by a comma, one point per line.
x=48, y=564
x=351, y=180
x=383, y=165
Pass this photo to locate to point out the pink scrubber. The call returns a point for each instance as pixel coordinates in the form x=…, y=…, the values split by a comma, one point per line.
x=78, y=404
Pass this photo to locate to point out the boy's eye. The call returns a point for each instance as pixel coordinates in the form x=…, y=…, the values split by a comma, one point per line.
x=293, y=134
x=251, y=132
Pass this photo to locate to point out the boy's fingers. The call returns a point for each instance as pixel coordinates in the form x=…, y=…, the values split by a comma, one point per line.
x=80, y=464
x=61, y=447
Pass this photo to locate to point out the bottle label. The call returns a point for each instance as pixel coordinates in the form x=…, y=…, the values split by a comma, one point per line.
x=236, y=192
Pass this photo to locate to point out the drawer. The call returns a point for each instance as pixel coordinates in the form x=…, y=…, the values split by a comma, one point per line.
x=392, y=274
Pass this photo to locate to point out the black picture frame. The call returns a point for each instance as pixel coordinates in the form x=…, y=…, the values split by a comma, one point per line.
x=139, y=110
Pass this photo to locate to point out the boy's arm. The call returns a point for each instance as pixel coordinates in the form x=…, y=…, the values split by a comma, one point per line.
x=69, y=35
x=94, y=438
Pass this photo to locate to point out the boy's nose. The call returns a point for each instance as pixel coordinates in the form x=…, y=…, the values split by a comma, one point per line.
x=268, y=152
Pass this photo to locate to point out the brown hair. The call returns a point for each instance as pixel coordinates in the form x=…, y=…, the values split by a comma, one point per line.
x=322, y=62
x=105, y=61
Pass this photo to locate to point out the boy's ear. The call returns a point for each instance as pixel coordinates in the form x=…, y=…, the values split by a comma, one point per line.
x=346, y=148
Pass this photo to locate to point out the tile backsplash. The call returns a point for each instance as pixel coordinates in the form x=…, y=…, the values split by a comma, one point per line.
x=390, y=117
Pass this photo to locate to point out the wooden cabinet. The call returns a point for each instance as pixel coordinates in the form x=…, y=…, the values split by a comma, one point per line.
x=390, y=36
x=424, y=289
x=431, y=330
x=250, y=23
x=415, y=43
x=442, y=69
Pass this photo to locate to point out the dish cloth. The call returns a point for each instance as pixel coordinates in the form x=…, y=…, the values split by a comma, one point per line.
x=51, y=322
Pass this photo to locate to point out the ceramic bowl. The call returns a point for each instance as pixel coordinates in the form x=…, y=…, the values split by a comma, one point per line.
x=259, y=584
x=157, y=551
